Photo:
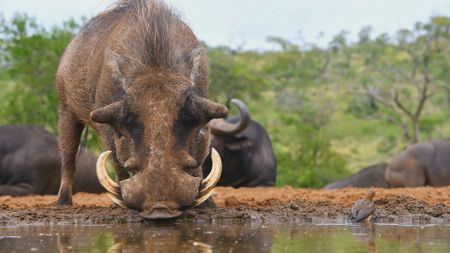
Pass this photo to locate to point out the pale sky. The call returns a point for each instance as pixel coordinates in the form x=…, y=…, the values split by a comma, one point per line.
x=248, y=23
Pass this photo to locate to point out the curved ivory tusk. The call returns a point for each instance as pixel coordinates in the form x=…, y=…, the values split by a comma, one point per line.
x=112, y=187
x=102, y=175
x=203, y=198
x=211, y=180
x=116, y=200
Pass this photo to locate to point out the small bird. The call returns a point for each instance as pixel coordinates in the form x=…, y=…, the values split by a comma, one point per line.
x=363, y=208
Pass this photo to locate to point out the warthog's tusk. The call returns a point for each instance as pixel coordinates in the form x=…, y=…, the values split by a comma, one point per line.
x=112, y=187
x=116, y=200
x=211, y=180
x=200, y=200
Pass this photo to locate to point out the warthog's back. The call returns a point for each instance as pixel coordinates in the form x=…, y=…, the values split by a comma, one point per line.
x=155, y=39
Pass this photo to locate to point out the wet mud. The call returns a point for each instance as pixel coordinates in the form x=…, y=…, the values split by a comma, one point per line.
x=417, y=205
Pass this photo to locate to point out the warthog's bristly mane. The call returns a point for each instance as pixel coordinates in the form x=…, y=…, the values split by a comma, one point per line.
x=151, y=28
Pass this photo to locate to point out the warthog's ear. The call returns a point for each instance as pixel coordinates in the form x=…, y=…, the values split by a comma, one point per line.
x=209, y=109
x=109, y=114
x=113, y=60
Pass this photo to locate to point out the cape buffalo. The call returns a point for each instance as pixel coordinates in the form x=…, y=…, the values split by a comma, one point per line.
x=371, y=176
x=138, y=75
x=246, y=150
x=421, y=164
x=30, y=163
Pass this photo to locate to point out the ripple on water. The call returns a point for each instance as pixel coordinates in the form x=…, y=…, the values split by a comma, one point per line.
x=313, y=235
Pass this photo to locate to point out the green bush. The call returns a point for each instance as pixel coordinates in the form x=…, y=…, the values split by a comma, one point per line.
x=30, y=56
x=362, y=106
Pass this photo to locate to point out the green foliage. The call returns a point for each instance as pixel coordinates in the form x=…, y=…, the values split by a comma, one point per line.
x=387, y=144
x=362, y=106
x=231, y=74
x=328, y=111
x=30, y=56
x=308, y=160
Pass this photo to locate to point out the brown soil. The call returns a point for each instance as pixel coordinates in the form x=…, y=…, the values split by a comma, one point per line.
x=424, y=204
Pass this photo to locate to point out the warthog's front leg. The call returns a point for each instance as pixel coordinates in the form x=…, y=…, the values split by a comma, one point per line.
x=69, y=133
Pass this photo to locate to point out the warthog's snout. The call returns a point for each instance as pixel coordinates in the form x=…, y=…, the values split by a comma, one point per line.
x=160, y=211
x=165, y=197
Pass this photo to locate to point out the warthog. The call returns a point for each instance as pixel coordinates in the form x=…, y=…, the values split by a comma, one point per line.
x=246, y=150
x=30, y=163
x=138, y=75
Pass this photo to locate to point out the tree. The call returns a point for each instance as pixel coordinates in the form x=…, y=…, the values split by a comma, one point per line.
x=234, y=74
x=400, y=75
x=304, y=153
x=30, y=56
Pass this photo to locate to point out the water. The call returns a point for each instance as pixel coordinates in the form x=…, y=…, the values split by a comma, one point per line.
x=228, y=236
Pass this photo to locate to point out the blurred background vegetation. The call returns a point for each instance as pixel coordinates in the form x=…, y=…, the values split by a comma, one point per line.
x=329, y=111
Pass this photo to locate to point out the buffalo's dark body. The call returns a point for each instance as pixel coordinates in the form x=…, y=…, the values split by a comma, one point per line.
x=30, y=163
x=421, y=164
x=247, y=157
x=371, y=176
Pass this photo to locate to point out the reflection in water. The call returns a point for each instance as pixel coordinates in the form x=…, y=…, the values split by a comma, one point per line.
x=364, y=233
x=227, y=236
x=191, y=238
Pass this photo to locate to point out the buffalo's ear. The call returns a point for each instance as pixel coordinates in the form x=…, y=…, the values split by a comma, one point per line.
x=109, y=114
x=113, y=61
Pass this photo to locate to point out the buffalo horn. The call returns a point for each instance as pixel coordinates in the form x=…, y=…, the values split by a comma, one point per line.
x=222, y=127
x=112, y=187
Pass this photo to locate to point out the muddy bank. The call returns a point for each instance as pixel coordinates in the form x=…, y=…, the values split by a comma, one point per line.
x=424, y=204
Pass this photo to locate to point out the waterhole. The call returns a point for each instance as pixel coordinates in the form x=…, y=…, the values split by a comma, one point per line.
x=228, y=235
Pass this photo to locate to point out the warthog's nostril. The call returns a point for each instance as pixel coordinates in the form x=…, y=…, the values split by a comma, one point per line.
x=160, y=211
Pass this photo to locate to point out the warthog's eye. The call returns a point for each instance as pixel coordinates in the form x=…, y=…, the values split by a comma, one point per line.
x=187, y=117
x=186, y=123
x=130, y=120
x=134, y=127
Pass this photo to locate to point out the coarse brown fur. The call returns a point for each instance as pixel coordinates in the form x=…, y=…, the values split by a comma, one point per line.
x=137, y=74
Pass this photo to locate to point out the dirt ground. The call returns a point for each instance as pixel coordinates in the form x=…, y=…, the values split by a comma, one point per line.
x=419, y=205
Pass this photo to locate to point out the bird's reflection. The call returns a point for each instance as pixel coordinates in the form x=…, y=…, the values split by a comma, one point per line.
x=365, y=233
